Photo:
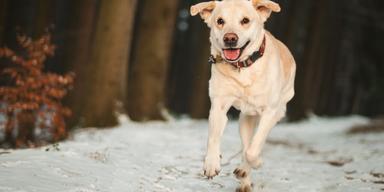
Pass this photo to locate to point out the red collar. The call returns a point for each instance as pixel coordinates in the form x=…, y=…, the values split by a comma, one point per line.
x=242, y=64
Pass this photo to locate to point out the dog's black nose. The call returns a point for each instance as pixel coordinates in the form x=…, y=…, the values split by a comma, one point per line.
x=230, y=39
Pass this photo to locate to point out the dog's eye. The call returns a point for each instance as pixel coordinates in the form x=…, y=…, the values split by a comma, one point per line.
x=220, y=21
x=244, y=21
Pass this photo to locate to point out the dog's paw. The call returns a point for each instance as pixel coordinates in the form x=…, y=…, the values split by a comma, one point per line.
x=240, y=173
x=245, y=188
x=212, y=166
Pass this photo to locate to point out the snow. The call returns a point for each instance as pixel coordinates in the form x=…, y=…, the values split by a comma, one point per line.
x=167, y=157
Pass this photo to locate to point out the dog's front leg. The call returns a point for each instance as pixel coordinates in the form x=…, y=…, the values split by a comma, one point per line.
x=217, y=121
x=268, y=120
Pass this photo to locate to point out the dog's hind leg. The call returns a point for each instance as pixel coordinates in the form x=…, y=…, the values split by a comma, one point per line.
x=243, y=171
x=267, y=121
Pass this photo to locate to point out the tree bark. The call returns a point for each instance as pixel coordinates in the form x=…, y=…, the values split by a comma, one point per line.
x=3, y=14
x=199, y=103
x=309, y=70
x=20, y=17
x=151, y=58
x=108, y=62
x=181, y=66
x=43, y=17
x=26, y=126
x=76, y=55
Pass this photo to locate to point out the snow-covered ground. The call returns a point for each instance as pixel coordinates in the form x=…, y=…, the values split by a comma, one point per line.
x=313, y=155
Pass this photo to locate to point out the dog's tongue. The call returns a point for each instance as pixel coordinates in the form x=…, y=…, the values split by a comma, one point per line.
x=232, y=54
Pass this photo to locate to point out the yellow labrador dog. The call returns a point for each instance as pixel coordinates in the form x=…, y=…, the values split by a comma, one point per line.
x=252, y=71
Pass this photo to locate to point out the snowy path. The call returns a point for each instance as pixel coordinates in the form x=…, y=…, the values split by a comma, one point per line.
x=314, y=155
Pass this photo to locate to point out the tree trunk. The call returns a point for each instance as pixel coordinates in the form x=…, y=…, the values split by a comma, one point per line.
x=183, y=50
x=26, y=127
x=43, y=17
x=3, y=14
x=76, y=55
x=199, y=103
x=108, y=62
x=9, y=140
x=309, y=70
x=151, y=58
x=20, y=17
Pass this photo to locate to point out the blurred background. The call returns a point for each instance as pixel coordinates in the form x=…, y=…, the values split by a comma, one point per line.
x=148, y=58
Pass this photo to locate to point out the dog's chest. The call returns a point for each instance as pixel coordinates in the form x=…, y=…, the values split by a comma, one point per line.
x=249, y=88
x=243, y=77
x=251, y=100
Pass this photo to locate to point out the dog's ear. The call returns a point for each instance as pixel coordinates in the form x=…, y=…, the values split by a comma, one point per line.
x=265, y=8
x=204, y=9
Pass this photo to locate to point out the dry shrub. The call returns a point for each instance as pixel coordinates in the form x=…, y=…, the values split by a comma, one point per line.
x=30, y=98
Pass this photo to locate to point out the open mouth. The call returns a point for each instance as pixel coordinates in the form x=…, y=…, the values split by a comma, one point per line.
x=233, y=54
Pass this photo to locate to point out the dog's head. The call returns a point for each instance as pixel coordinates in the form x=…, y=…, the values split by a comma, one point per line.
x=235, y=24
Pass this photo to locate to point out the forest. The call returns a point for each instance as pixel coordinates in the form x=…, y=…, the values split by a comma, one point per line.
x=148, y=59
